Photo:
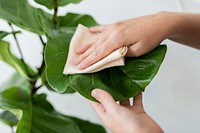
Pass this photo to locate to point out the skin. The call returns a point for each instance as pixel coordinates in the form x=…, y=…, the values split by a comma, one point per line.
x=123, y=117
x=141, y=35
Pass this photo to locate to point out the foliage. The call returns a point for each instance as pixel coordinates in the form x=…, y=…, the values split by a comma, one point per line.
x=20, y=13
x=8, y=118
x=38, y=115
x=18, y=64
x=24, y=107
x=30, y=111
x=50, y=4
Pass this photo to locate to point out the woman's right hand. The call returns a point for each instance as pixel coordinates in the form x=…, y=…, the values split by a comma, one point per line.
x=141, y=35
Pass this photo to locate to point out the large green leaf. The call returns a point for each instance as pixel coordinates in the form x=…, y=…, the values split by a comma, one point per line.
x=59, y=34
x=8, y=118
x=38, y=115
x=18, y=64
x=44, y=82
x=20, y=13
x=121, y=82
x=50, y=4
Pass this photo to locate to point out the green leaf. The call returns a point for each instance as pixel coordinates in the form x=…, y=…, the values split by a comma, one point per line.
x=73, y=19
x=50, y=4
x=66, y=24
x=143, y=69
x=20, y=13
x=121, y=82
x=18, y=64
x=47, y=3
x=8, y=118
x=44, y=81
x=4, y=34
x=63, y=34
x=88, y=127
x=66, y=2
x=37, y=114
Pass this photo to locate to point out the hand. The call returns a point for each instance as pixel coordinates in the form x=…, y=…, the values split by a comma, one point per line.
x=123, y=118
x=141, y=35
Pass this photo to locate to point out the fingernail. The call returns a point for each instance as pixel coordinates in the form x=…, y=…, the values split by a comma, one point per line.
x=95, y=94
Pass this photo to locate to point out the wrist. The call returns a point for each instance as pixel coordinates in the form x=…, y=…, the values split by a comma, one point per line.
x=151, y=127
x=173, y=22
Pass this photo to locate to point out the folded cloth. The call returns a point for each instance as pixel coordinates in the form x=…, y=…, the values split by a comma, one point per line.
x=82, y=34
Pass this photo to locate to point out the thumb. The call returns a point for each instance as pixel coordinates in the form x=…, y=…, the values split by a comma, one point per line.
x=137, y=100
x=105, y=99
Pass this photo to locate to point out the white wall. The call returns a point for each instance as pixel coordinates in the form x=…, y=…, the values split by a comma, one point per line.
x=172, y=98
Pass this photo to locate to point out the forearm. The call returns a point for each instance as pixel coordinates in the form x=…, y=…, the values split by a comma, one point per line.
x=186, y=29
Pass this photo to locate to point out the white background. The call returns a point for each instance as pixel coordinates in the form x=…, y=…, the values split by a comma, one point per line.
x=172, y=98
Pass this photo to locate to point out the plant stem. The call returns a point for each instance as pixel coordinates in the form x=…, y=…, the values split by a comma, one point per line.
x=17, y=42
x=19, y=48
x=43, y=63
x=42, y=41
x=34, y=89
x=40, y=69
x=12, y=130
x=55, y=21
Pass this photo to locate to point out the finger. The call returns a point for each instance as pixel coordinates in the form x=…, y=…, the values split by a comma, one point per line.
x=86, y=45
x=97, y=29
x=95, y=54
x=83, y=56
x=136, y=49
x=137, y=100
x=83, y=48
x=105, y=99
x=98, y=108
x=100, y=111
x=125, y=102
x=88, y=51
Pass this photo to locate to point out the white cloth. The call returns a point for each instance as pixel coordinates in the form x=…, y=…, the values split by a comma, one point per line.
x=116, y=58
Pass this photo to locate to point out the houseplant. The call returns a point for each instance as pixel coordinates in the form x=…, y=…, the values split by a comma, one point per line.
x=20, y=96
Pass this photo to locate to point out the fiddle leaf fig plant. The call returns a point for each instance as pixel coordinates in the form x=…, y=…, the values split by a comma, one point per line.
x=29, y=110
x=122, y=82
x=24, y=107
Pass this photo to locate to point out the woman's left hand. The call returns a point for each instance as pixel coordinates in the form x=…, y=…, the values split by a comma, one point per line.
x=123, y=117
